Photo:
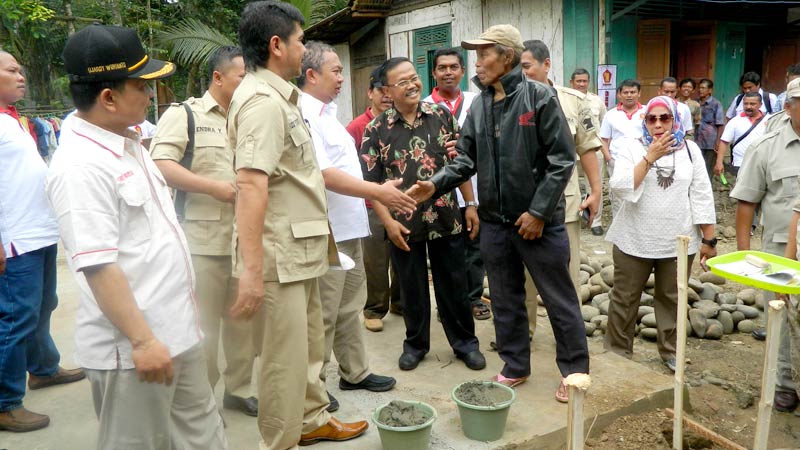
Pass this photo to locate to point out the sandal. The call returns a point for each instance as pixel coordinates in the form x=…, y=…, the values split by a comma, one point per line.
x=510, y=382
x=481, y=312
x=562, y=393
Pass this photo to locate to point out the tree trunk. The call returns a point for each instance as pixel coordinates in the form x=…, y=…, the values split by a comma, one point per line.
x=113, y=5
x=68, y=13
x=191, y=80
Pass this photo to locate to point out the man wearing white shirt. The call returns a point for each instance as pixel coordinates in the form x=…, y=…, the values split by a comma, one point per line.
x=343, y=292
x=740, y=132
x=448, y=70
x=624, y=121
x=669, y=87
x=751, y=82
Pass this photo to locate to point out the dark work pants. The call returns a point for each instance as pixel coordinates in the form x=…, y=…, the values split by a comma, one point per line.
x=447, y=267
x=474, y=265
x=506, y=256
x=381, y=290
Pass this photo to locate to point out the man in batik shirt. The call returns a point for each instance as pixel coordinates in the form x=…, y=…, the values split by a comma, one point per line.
x=407, y=142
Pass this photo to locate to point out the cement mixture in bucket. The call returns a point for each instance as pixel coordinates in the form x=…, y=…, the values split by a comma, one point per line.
x=402, y=414
x=479, y=393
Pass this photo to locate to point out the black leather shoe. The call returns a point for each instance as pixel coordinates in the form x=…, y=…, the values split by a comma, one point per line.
x=785, y=401
x=597, y=231
x=334, y=406
x=760, y=334
x=373, y=383
x=474, y=360
x=408, y=361
x=248, y=405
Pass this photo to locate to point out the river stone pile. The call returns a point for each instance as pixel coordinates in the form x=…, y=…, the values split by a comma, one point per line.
x=713, y=311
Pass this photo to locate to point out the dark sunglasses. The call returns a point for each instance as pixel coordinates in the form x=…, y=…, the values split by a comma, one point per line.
x=652, y=118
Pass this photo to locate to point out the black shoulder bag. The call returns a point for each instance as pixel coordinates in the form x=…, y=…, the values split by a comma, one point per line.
x=186, y=161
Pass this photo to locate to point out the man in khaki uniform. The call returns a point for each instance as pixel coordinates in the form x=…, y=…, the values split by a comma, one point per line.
x=769, y=176
x=282, y=232
x=208, y=219
x=577, y=109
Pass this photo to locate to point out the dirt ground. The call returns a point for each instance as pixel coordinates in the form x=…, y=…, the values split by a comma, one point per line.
x=724, y=379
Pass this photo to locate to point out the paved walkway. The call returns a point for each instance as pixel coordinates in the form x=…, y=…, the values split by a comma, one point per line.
x=537, y=421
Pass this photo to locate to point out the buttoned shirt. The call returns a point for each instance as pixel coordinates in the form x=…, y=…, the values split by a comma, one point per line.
x=268, y=134
x=736, y=128
x=617, y=124
x=651, y=216
x=577, y=108
x=207, y=222
x=335, y=148
x=734, y=109
x=26, y=221
x=113, y=206
x=459, y=110
x=769, y=175
x=395, y=149
x=598, y=107
x=711, y=116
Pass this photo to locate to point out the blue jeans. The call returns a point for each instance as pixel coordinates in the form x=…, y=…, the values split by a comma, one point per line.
x=27, y=299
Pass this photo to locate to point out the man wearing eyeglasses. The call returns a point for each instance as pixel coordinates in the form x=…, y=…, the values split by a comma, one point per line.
x=408, y=142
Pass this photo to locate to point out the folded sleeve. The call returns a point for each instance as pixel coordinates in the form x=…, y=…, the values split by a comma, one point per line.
x=260, y=130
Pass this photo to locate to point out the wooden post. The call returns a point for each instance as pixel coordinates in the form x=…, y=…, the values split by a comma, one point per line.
x=680, y=353
x=578, y=384
x=716, y=438
x=774, y=321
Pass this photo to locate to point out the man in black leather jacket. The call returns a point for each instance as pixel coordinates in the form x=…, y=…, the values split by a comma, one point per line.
x=517, y=138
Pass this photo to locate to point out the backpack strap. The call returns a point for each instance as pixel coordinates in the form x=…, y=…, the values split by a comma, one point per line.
x=186, y=161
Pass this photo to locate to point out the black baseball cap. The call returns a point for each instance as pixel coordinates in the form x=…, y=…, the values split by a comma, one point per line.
x=110, y=53
x=375, y=78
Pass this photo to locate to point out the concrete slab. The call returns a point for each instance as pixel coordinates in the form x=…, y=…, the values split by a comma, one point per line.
x=536, y=421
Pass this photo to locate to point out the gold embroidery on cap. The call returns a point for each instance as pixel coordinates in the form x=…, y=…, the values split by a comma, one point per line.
x=168, y=67
x=137, y=65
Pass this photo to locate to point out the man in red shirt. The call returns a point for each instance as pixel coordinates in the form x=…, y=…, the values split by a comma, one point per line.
x=376, y=246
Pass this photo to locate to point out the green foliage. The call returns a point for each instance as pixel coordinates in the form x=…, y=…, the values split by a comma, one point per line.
x=192, y=41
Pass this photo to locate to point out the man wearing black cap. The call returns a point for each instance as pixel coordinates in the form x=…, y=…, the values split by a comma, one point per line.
x=138, y=335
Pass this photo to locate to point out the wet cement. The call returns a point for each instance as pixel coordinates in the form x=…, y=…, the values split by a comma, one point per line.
x=402, y=414
x=480, y=393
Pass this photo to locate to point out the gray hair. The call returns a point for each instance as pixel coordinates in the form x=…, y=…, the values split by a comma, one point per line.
x=313, y=59
x=502, y=49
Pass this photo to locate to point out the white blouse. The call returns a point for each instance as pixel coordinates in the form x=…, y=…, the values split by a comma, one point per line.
x=651, y=217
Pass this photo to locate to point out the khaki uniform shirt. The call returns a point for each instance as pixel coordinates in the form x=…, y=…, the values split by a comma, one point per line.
x=769, y=176
x=583, y=124
x=777, y=120
x=267, y=132
x=208, y=223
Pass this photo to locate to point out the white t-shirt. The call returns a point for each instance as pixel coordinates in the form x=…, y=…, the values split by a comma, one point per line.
x=736, y=127
x=735, y=110
x=113, y=206
x=26, y=220
x=462, y=116
x=686, y=117
x=618, y=124
x=334, y=147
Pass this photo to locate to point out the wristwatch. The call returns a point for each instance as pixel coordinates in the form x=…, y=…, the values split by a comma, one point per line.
x=709, y=242
x=466, y=204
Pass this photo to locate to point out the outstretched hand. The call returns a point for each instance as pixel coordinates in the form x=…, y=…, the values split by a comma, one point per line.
x=421, y=191
x=391, y=197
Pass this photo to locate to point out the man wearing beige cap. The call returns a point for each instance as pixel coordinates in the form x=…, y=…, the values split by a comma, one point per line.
x=769, y=176
x=519, y=142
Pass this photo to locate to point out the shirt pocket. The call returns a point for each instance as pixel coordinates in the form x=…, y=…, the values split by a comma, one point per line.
x=209, y=151
x=135, y=209
x=302, y=152
x=785, y=180
x=308, y=246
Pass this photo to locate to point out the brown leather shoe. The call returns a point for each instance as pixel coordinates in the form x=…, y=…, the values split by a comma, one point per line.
x=62, y=376
x=335, y=431
x=20, y=420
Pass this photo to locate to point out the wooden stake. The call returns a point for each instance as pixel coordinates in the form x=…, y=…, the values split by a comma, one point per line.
x=578, y=384
x=695, y=427
x=680, y=353
x=774, y=321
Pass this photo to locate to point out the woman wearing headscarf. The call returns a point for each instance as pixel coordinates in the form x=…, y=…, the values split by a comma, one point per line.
x=662, y=181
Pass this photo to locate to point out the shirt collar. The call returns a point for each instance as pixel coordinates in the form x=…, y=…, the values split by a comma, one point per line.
x=789, y=135
x=285, y=89
x=393, y=116
x=209, y=103
x=313, y=105
x=110, y=141
x=11, y=111
x=369, y=114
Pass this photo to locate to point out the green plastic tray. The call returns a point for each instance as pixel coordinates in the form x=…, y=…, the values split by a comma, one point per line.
x=725, y=265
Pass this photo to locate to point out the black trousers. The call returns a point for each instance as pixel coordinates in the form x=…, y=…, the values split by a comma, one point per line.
x=474, y=264
x=506, y=256
x=447, y=267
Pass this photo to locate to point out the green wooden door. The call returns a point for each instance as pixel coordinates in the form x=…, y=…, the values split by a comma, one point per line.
x=426, y=42
x=580, y=37
x=729, y=61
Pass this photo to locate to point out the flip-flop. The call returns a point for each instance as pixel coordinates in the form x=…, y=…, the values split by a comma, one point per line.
x=510, y=382
x=481, y=312
x=562, y=393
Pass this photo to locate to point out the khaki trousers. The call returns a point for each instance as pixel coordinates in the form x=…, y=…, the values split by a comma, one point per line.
x=292, y=398
x=343, y=293
x=630, y=275
x=148, y=416
x=532, y=305
x=216, y=292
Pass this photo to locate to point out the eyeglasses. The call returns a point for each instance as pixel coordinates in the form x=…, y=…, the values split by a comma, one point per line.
x=404, y=83
x=652, y=119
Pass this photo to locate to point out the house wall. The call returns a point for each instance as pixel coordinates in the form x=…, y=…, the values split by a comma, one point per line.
x=345, y=99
